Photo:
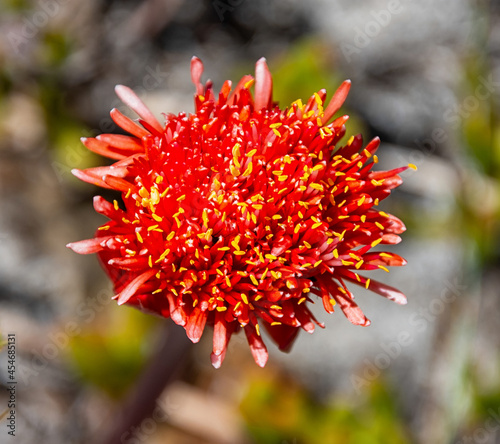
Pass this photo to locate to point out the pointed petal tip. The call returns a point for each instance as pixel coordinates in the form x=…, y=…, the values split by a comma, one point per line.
x=216, y=360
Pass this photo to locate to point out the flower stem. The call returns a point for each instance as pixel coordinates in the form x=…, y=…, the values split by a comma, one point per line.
x=165, y=367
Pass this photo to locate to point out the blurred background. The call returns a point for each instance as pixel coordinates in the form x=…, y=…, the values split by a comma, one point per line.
x=426, y=79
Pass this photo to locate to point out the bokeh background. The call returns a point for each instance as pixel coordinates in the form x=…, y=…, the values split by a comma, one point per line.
x=426, y=78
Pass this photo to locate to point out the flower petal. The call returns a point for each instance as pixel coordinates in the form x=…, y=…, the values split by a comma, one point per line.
x=101, y=148
x=263, y=85
x=195, y=324
x=196, y=73
x=336, y=101
x=257, y=346
x=126, y=143
x=89, y=246
x=132, y=287
x=127, y=124
x=283, y=335
x=130, y=98
x=351, y=309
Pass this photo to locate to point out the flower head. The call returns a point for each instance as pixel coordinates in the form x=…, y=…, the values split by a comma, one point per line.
x=241, y=214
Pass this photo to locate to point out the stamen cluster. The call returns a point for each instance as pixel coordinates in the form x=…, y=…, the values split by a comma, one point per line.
x=241, y=214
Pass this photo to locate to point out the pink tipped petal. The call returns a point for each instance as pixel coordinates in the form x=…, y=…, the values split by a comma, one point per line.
x=101, y=148
x=127, y=124
x=351, y=310
x=383, y=258
x=119, y=184
x=102, y=206
x=196, y=324
x=336, y=101
x=388, y=292
x=305, y=320
x=130, y=98
x=89, y=246
x=263, y=85
x=397, y=226
x=126, y=143
x=217, y=360
x=132, y=287
x=257, y=346
x=391, y=239
x=90, y=177
x=196, y=73
x=129, y=263
x=220, y=334
x=97, y=175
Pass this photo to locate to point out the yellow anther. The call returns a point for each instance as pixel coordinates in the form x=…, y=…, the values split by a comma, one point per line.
x=317, y=186
x=248, y=171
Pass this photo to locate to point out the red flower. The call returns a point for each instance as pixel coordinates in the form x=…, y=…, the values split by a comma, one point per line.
x=242, y=213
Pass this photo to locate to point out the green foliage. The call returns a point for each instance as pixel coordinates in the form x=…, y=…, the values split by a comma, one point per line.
x=111, y=354
x=278, y=411
x=55, y=49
